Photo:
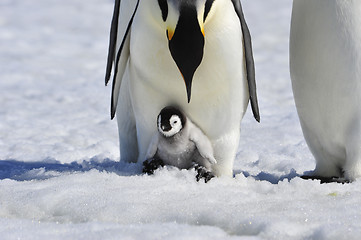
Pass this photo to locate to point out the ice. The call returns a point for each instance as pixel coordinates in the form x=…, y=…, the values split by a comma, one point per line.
x=59, y=172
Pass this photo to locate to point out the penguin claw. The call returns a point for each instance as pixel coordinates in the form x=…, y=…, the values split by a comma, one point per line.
x=202, y=172
x=152, y=164
x=326, y=179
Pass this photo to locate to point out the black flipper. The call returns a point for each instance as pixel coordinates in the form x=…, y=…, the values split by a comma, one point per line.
x=247, y=43
x=112, y=41
x=112, y=50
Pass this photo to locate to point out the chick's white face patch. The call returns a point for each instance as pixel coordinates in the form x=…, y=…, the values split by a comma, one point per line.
x=176, y=123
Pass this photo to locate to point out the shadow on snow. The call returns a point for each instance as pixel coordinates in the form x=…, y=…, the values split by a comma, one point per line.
x=49, y=168
x=272, y=178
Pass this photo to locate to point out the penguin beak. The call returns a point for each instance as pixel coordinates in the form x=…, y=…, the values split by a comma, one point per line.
x=165, y=129
x=186, y=45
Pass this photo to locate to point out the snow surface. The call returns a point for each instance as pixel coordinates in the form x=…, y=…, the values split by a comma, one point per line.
x=59, y=171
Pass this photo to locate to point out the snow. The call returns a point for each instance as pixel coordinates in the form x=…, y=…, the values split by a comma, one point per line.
x=59, y=171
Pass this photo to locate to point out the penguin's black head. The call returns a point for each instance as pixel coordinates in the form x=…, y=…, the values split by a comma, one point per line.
x=170, y=121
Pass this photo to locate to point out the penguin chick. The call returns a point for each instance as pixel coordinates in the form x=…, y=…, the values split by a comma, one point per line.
x=180, y=143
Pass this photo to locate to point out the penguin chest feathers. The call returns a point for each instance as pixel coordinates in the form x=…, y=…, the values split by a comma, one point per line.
x=177, y=150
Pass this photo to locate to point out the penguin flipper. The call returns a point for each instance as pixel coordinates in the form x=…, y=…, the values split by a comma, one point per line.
x=112, y=41
x=202, y=143
x=118, y=52
x=247, y=44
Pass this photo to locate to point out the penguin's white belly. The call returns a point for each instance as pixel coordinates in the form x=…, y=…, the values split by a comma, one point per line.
x=325, y=58
x=219, y=90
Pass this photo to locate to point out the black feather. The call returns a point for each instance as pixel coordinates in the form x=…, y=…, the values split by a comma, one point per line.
x=247, y=43
x=207, y=8
x=164, y=8
x=112, y=41
x=112, y=111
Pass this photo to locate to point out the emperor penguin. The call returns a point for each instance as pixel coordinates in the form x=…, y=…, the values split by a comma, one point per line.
x=195, y=54
x=179, y=142
x=325, y=66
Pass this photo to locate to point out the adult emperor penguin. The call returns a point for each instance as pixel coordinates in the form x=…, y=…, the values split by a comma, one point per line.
x=194, y=54
x=325, y=65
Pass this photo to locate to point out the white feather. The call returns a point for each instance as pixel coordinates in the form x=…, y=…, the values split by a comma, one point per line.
x=325, y=61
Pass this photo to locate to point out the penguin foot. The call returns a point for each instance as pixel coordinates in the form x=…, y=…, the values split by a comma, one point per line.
x=326, y=179
x=152, y=164
x=202, y=172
